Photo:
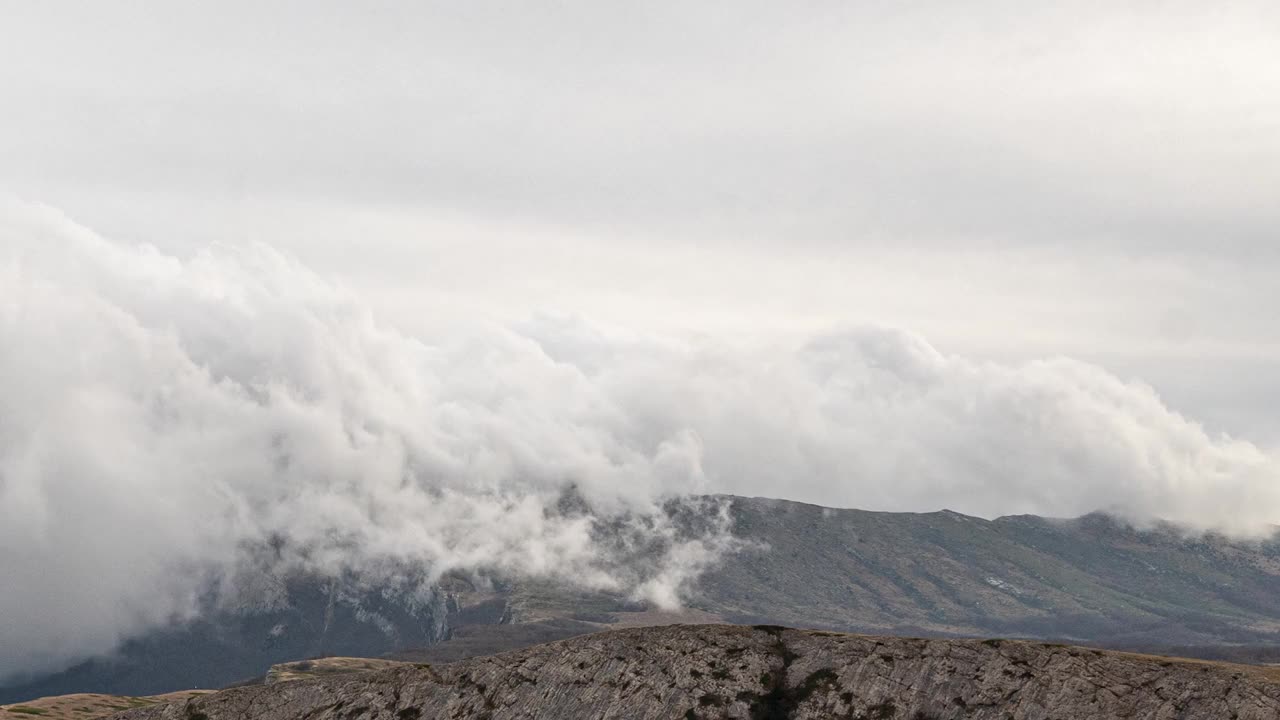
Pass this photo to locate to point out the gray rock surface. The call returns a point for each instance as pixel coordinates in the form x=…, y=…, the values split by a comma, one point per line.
x=717, y=671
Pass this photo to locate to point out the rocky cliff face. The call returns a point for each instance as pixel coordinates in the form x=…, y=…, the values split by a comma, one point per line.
x=765, y=673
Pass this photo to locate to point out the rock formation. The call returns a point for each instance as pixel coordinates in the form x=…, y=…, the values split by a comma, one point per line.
x=765, y=673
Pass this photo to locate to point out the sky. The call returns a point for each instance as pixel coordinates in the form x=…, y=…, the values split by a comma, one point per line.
x=1012, y=180
x=398, y=273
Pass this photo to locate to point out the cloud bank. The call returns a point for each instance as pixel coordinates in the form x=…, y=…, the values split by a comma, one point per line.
x=161, y=414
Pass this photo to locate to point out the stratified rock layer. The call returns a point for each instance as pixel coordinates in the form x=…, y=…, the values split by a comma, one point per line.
x=716, y=671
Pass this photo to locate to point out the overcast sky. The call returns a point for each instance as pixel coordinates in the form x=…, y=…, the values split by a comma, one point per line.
x=993, y=256
x=1011, y=179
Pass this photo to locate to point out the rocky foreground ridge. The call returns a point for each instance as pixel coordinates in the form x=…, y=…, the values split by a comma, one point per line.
x=766, y=673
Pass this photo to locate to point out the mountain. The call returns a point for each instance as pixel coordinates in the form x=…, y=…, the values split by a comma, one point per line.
x=1089, y=580
x=309, y=616
x=765, y=673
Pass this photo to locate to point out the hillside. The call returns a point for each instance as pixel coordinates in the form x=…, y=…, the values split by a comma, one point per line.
x=1090, y=580
x=86, y=706
x=766, y=672
x=307, y=617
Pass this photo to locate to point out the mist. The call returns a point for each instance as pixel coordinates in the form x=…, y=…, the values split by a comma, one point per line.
x=164, y=414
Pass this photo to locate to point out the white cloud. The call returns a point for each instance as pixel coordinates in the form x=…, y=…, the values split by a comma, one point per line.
x=161, y=412
x=1010, y=179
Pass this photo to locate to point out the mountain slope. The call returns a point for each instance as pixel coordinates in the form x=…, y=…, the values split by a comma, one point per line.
x=1088, y=580
x=945, y=573
x=311, y=616
x=85, y=706
x=766, y=672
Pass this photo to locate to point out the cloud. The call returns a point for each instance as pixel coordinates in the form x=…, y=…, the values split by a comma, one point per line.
x=1009, y=179
x=164, y=414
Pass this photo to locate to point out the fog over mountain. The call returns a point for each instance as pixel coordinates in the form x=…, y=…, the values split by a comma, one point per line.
x=166, y=416
x=392, y=290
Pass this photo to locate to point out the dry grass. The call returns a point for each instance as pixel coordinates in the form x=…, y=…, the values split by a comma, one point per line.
x=319, y=667
x=1266, y=672
x=649, y=618
x=83, y=706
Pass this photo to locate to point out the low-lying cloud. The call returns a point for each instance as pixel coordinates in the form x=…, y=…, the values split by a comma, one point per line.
x=162, y=414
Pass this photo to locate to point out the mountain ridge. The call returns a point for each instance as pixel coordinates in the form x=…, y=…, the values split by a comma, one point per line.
x=1088, y=580
x=706, y=672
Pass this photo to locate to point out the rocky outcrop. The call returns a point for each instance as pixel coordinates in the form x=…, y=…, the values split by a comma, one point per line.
x=765, y=673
